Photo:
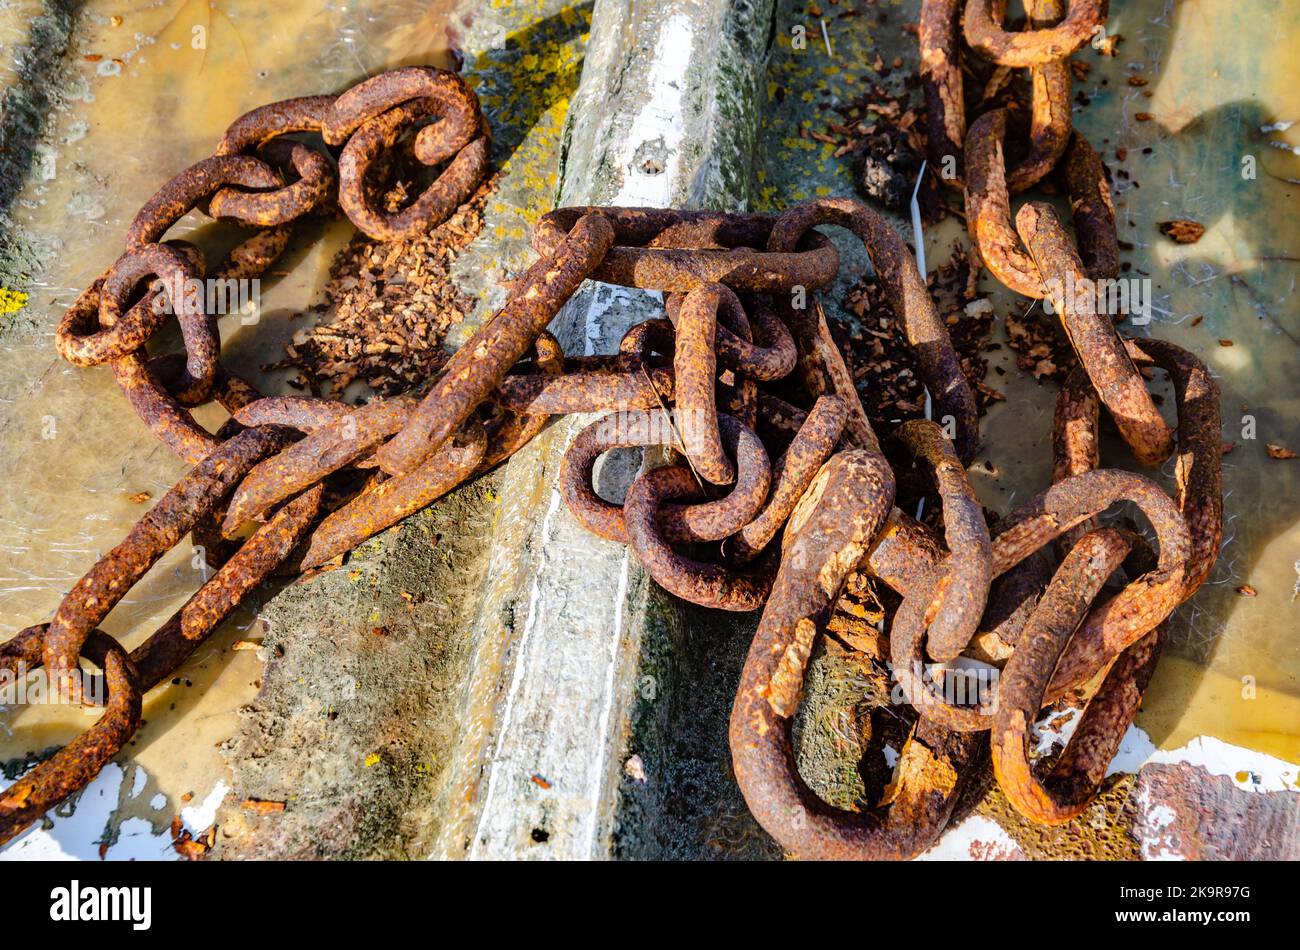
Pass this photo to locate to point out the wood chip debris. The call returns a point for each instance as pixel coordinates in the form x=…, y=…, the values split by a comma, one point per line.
x=883, y=364
x=388, y=306
x=1040, y=347
x=1182, y=230
x=261, y=806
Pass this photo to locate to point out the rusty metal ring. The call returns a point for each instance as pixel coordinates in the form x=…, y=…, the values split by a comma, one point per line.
x=772, y=360
x=1134, y=611
x=75, y=765
x=177, y=512
x=507, y=431
x=1067, y=788
x=677, y=251
x=261, y=125
x=164, y=414
x=988, y=209
x=831, y=531
x=696, y=371
x=254, y=560
x=268, y=209
x=443, y=93
x=588, y=384
x=387, y=502
x=305, y=462
x=678, y=524
x=304, y=413
x=709, y=585
x=482, y=362
x=794, y=471
x=1091, y=209
x=1050, y=119
x=909, y=302
x=960, y=596
x=1199, y=470
x=1092, y=334
x=186, y=191
x=982, y=23
x=435, y=204
x=945, y=104
x=95, y=329
x=1116, y=624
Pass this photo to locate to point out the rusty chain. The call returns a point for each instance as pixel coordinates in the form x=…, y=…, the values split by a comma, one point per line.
x=776, y=489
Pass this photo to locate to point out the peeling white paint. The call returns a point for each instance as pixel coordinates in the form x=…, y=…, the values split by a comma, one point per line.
x=975, y=839
x=1156, y=843
x=199, y=818
x=1249, y=770
x=661, y=118
x=76, y=836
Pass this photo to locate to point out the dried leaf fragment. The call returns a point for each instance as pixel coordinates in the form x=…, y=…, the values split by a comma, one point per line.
x=1182, y=230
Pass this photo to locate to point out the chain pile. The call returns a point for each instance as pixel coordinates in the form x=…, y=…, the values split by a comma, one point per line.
x=992, y=593
x=741, y=371
x=262, y=178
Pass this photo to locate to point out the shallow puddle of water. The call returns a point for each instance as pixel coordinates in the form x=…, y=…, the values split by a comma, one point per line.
x=149, y=96
x=1219, y=75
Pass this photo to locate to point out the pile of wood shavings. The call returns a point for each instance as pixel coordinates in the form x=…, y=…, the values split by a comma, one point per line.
x=1040, y=346
x=387, y=308
x=883, y=363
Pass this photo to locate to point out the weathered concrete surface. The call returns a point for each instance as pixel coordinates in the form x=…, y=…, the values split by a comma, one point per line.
x=363, y=702
x=664, y=116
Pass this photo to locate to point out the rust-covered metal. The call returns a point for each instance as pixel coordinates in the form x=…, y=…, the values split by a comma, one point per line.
x=959, y=599
x=77, y=763
x=677, y=251
x=1091, y=209
x=434, y=205
x=988, y=208
x=1099, y=347
x=369, y=118
x=1064, y=793
x=307, y=461
x=736, y=319
x=792, y=474
x=186, y=190
x=711, y=520
x=1050, y=105
x=709, y=585
x=259, y=126
x=313, y=187
x=909, y=301
x=393, y=499
x=983, y=26
x=740, y=369
x=176, y=513
x=480, y=364
x=830, y=533
x=937, y=34
x=695, y=367
x=102, y=324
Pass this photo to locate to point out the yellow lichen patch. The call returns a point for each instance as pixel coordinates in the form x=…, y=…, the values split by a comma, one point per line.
x=11, y=301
